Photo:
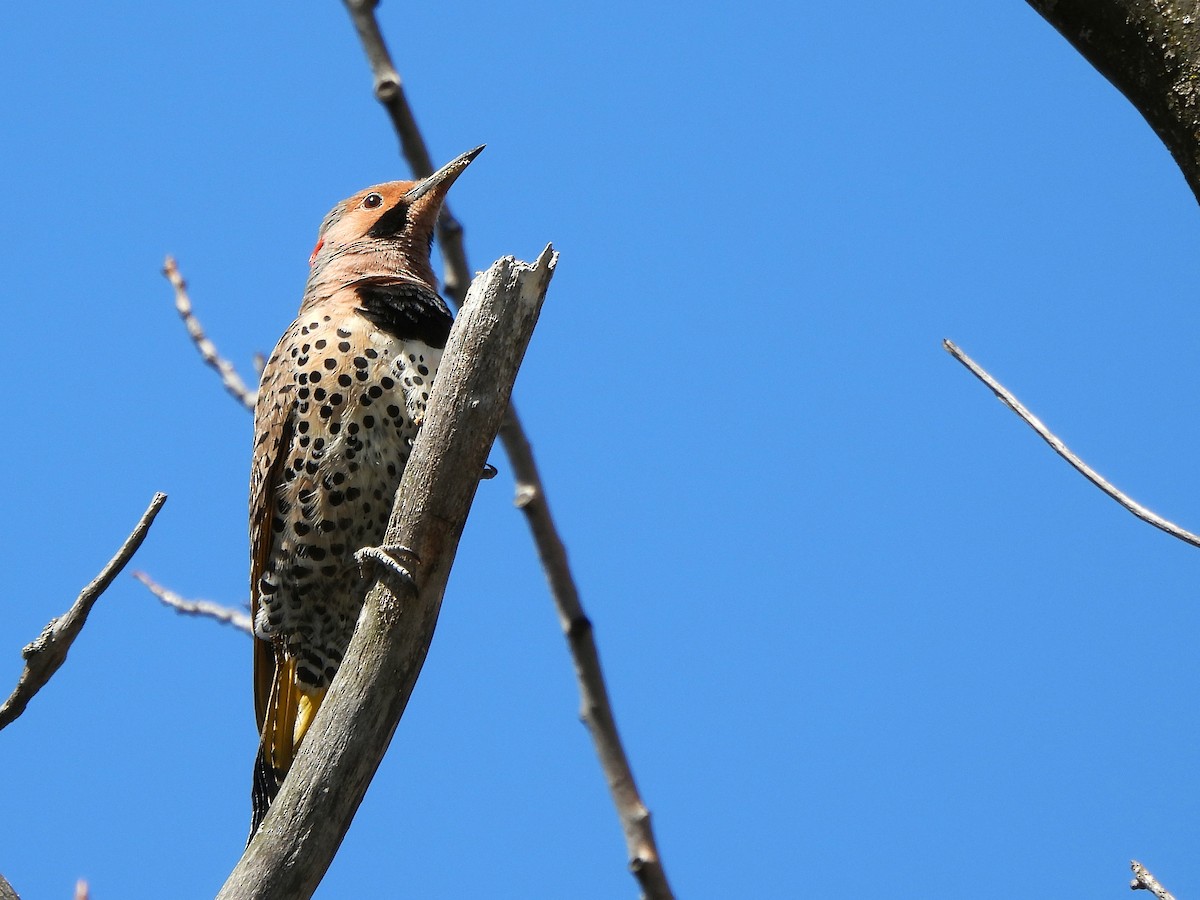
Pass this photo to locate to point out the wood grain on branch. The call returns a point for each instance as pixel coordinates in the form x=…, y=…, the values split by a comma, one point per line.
x=306, y=823
x=597, y=713
x=1150, y=51
x=48, y=651
x=1006, y=397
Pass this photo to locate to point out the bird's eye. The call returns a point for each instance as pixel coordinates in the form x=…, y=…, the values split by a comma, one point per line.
x=371, y=201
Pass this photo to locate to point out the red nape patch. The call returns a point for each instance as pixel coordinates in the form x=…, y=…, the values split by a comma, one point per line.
x=316, y=250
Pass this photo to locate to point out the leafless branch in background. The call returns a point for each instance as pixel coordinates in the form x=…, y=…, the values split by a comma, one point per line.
x=6, y=890
x=1061, y=449
x=306, y=823
x=1150, y=51
x=239, y=619
x=81, y=890
x=1144, y=881
x=644, y=860
x=229, y=376
x=48, y=652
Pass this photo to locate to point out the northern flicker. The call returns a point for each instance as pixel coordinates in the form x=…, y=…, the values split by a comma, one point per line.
x=340, y=402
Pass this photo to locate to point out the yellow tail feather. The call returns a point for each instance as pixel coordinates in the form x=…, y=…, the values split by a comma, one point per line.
x=288, y=716
x=305, y=713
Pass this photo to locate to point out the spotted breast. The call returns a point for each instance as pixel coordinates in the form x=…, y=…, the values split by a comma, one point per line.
x=353, y=399
x=340, y=403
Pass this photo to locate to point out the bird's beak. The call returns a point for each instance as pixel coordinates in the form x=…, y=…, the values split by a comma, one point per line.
x=443, y=177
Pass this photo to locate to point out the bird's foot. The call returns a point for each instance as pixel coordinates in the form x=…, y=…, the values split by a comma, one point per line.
x=391, y=561
x=489, y=472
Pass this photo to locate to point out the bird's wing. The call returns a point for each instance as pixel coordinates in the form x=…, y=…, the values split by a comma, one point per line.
x=404, y=308
x=274, y=423
x=273, y=428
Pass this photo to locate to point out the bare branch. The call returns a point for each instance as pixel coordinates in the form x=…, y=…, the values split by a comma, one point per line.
x=227, y=615
x=531, y=497
x=48, y=652
x=1061, y=449
x=183, y=303
x=1144, y=881
x=1150, y=51
x=389, y=90
x=81, y=890
x=301, y=833
x=595, y=708
x=6, y=890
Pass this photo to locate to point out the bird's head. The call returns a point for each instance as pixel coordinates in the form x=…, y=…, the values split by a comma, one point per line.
x=386, y=229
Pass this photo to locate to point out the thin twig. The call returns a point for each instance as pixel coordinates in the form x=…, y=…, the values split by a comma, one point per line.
x=1061, y=449
x=1144, y=881
x=644, y=860
x=226, y=614
x=229, y=376
x=47, y=653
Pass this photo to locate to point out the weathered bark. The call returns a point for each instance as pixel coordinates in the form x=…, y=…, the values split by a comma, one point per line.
x=1150, y=51
x=300, y=835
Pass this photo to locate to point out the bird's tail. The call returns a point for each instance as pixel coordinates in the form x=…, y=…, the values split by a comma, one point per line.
x=289, y=714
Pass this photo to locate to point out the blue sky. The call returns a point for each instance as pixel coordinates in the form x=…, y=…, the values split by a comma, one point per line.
x=859, y=624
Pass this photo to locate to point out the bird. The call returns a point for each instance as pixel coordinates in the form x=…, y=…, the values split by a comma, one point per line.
x=340, y=402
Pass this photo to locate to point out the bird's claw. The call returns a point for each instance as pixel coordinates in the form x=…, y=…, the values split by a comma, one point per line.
x=489, y=472
x=394, y=561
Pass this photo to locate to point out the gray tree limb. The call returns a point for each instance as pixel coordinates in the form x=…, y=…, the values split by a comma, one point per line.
x=300, y=835
x=48, y=651
x=596, y=709
x=1150, y=51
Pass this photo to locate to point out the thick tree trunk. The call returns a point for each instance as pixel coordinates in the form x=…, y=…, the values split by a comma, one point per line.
x=1150, y=51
